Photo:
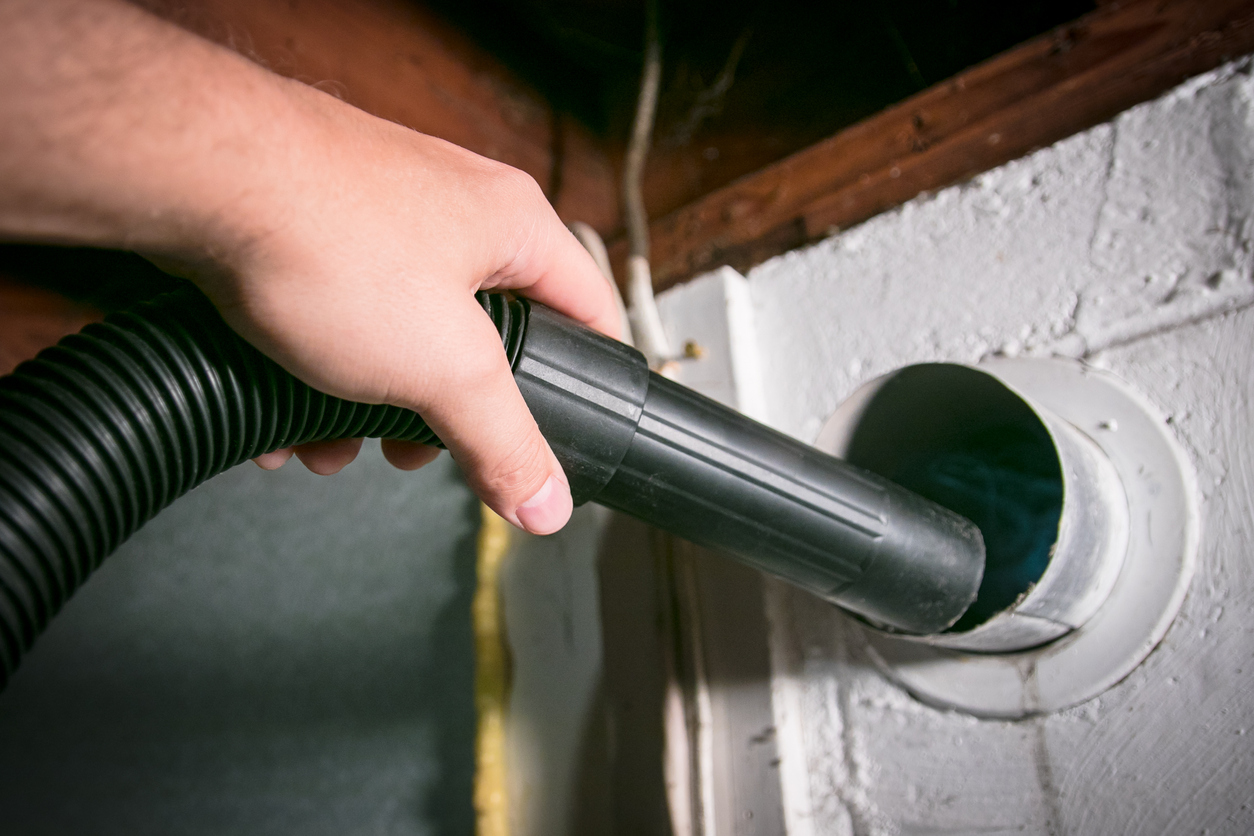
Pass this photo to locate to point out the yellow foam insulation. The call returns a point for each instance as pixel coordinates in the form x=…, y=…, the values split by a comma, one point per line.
x=491, y=679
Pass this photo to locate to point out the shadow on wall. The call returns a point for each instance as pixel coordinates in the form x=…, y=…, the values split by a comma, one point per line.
x=275, y=653
x=620, y=787
x=667, y=605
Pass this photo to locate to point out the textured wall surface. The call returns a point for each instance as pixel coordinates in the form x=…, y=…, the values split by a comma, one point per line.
x=553, y=623
x=1130, y=247
x=276, y=653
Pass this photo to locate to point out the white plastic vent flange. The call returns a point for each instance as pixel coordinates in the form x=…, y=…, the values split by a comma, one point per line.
x=1161, y=552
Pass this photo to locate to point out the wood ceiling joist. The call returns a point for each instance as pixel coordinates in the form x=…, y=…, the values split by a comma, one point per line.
x=1031, y=96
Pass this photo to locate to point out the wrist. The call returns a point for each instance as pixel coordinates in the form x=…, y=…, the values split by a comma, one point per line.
x=243, y=183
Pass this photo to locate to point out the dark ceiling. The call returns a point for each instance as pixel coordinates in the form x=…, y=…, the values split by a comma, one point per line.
x=798, y=70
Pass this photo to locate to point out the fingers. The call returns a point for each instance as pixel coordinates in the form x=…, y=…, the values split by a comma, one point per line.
x=274, y=460
x=328, y=457
x=408, y=455
x=553, y=268
x=483, y=420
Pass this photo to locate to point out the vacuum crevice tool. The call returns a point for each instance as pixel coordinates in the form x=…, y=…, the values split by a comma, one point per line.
x=644, y=445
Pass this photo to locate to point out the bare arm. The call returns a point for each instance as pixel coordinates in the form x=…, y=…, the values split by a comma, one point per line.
x=345, y=247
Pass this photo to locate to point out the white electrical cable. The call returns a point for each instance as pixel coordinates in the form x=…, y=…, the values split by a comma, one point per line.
x=650, y=336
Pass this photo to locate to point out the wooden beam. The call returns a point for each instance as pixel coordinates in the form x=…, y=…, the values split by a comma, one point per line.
x=1048, y=88
x=400, y=61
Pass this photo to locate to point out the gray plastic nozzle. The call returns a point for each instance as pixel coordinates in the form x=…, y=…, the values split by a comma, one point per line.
x=636, y=442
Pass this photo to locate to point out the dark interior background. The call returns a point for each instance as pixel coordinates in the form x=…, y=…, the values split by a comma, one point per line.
x=800, y=70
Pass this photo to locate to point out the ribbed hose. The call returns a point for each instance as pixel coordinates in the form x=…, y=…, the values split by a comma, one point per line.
x=102, y=431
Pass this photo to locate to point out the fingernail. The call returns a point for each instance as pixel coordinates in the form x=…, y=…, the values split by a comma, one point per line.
x=548, y=510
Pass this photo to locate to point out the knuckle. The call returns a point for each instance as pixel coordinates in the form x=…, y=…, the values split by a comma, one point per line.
x=517, y=178
x=518, y=185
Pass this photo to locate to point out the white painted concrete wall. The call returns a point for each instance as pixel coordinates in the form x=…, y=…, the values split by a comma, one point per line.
x=1130, y=247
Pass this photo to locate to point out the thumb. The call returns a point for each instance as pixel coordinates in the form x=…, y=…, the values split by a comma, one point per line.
x=481, y=417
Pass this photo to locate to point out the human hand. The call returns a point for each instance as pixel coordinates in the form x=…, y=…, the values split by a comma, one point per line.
x=359, y=278
x=345, y=247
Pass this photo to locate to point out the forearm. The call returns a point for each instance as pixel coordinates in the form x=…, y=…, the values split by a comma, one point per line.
x=118, y=129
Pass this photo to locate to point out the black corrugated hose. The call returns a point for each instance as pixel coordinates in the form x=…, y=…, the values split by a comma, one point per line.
x=111, y=425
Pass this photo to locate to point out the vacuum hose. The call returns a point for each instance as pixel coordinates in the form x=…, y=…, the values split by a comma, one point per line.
x=102, y=431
